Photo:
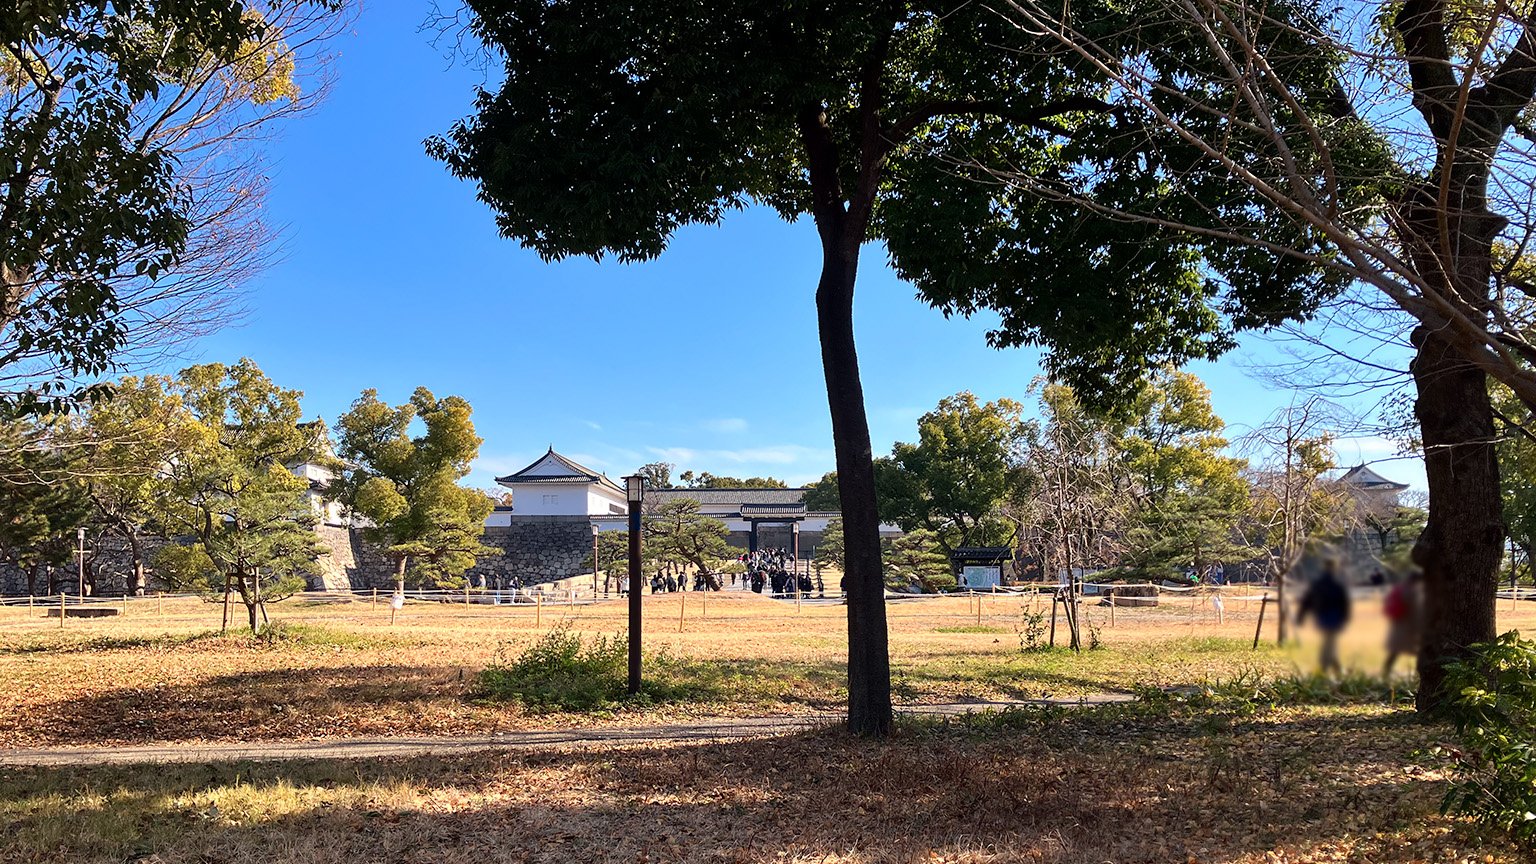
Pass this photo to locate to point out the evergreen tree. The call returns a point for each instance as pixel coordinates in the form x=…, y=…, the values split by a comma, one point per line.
x=231, y=491
x=406, y=486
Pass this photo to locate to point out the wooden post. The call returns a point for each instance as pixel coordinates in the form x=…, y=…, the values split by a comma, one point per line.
x=375, y=600
x=1112, y=605
x=466, y=592
x=1054, y=600
x=705, y=601
x=682, y=609
x=538, y=610
x=125, y=605
x=978, y=610
x=61, y=610
x=1263, y=604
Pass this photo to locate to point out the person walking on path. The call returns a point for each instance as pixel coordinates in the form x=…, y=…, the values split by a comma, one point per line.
x=1404, y=608
x=1327, y=601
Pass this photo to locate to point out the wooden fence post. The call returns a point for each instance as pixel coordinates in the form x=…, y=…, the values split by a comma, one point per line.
x=61, y=610
x=1263, y=604
x=538, y=610
x=682, y=609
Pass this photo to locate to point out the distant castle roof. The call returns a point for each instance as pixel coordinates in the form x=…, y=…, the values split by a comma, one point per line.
x=555, y=468
x=1362, y=477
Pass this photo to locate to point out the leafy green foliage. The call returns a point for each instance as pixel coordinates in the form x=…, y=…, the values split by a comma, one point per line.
x=249, y=515
x=829, y=552
x=563, y=672
x=41, y=496
x=821, y=496
x=1188, y=494
x=654, y=116
x=407, y=486
x=915, y=558
x=677, y=532
x=706, y=480
x=1492, y=701
x=96, y=196
x=966, y=463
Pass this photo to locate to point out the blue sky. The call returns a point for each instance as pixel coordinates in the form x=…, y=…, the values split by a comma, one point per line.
x=393, y=277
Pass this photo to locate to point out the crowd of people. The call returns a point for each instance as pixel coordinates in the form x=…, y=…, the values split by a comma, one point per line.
x=775, y=570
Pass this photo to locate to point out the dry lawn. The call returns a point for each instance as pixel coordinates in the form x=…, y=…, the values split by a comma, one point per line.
x=160, y=676
x=1234, y=780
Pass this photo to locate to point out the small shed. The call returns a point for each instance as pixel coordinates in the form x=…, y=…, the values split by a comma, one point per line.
x=980, y=567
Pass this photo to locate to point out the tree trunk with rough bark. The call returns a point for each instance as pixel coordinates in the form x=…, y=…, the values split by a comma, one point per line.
x=1462, y=546
x=869, y=667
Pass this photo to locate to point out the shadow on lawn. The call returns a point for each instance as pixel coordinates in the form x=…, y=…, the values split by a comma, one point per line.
x=815, y=796
x=331, y=701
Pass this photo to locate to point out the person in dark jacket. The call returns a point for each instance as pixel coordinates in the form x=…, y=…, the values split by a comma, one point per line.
x=1327, y=601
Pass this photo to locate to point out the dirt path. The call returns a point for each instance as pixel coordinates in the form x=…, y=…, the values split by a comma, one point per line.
x=367, y=748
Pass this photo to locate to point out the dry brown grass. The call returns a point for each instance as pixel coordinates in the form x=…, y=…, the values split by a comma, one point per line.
x=1156, y=782
x=1300, y=785
x=148, y=677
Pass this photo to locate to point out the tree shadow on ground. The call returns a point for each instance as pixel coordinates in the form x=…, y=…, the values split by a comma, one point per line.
x=1308, y=789
x=341, y=700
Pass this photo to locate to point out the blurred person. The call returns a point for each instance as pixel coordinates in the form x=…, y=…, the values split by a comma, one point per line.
x=1404, y=608
x=1327, y=601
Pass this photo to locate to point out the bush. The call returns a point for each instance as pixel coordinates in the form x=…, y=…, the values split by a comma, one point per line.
x=1492, y=701
x=560, y=672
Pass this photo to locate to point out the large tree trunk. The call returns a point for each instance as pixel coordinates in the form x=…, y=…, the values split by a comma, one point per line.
x=1462, y=545
x=869, y=665
x=1463, y=541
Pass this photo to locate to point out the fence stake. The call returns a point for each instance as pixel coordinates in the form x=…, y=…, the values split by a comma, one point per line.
x=466, y=593
x=61, y=610
x=706, y=604
x=1112, y=605
x=1054, y=600
x=125, y=605
x=375, y=600
x=1263, y=604
x=538, y=610
x=978, y=610
x=682, y=608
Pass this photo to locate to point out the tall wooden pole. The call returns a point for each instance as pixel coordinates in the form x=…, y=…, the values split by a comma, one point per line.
x=635, y=501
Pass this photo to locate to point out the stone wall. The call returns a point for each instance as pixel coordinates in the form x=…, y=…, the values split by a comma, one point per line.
x=108, y=570
x=535, y=549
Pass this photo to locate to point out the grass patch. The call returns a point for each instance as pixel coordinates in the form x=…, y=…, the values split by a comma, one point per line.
x=561, y=671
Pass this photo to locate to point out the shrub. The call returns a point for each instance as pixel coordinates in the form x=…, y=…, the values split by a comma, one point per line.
x=1492, y=702
x=560, y=672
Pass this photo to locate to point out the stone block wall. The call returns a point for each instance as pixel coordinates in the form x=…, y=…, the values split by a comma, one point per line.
x=535, y=549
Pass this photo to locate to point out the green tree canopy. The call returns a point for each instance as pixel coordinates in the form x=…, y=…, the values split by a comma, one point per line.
x=43, y=498
x=613, y=126
x=1188, y=494
x=821, y=496
x=706, y=480
x=232, y=492
x=127, y=199
x=406, y=486
x=967, y=461
x=676, y=531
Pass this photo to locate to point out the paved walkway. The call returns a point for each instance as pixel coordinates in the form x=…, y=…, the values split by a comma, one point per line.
x=711, y=729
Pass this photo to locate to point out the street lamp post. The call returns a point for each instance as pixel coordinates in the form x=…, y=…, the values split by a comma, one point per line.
x=594, y=562
x=634, y=487
x=794, y=533
x=80, y=534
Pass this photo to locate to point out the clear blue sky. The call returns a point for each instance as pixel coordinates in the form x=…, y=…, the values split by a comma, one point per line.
x=394, y=277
